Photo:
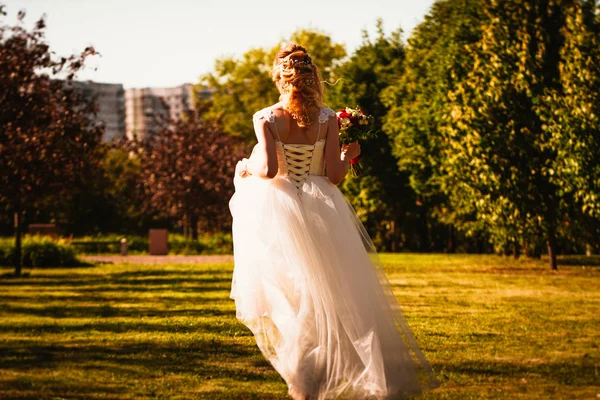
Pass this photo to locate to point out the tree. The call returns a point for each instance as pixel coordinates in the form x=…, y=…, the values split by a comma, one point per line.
x=325, y=53
x=241, y=87
x=502, y=160
x=418, y=105
x=107, y=201
x=381, y=195
x=244, y=86
x=186, y=172
x=47, y=138
x=571, y=121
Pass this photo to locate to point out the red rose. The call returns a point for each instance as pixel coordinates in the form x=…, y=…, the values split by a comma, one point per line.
x=343, y=113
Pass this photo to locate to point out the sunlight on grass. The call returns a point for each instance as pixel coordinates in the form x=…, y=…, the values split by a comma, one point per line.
x=492, y=327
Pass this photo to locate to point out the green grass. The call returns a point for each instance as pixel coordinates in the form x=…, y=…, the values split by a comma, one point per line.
x=492, y=327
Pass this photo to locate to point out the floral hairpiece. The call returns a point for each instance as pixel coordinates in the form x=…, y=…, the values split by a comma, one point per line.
x=297, y=62
x=306, y=61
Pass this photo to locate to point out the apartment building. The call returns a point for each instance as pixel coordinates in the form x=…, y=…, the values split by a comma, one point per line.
x=147, y=108
x=139, y=113
x=110, y=98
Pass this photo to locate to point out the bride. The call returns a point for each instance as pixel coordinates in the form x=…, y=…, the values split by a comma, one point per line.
x=307, y=281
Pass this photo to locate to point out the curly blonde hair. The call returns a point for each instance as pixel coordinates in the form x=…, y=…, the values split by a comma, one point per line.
x=299, y=83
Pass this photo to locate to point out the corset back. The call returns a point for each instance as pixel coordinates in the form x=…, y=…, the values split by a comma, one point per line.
x=298, y=161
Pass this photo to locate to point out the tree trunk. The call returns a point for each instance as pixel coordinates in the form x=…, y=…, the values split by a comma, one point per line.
x=451, y=247
x=516, y=250
x=479, y=243
x=423, y=228
x=17, y=242
x=537, y=252
x=194, y=227
x=552, y=245
x=185, y=226
x=393, y=234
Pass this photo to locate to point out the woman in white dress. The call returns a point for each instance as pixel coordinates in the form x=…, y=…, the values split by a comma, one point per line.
x=307, y=281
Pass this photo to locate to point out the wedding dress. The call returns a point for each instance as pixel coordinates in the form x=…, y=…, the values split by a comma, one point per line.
x=308, y=284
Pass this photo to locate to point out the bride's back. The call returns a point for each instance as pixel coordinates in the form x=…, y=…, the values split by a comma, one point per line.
x=290, y=132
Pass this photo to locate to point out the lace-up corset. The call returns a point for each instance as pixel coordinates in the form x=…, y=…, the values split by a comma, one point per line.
x=298, y=161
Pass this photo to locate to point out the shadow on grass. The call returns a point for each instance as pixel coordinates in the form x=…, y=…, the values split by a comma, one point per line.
x=579, y=260
x=106, y=310
x=133, y=278
x=572, y=371
x=237, y=394
x=27, y=269
x=141, y=362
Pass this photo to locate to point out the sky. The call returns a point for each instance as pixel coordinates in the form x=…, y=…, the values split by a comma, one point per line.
x=149, y=43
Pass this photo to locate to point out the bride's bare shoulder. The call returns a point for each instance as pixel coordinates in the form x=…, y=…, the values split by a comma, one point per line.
x=269, y=113
x=278, y=109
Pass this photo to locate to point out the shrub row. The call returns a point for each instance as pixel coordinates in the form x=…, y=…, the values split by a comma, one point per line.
x=39, y=251
x=44, y=251
x=215, y=243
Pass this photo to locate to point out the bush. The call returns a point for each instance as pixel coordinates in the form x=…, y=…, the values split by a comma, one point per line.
x=217, y=243
x=209, y=243
x=45, y=251
x=110, y=244
x=39, y=251
x=178, y=244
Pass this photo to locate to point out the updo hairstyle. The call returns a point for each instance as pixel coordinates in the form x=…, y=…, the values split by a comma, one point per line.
x=299, y=83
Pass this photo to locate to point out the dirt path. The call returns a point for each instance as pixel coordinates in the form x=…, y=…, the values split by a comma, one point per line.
x=146, y=259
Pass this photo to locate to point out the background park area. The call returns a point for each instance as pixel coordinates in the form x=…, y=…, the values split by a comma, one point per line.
x=480, y=189
x=491, y=326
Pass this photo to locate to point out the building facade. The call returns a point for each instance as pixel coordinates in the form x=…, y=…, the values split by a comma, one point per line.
x=147, y=108
x=139, y=113
x=110, y=98
x=145, y=113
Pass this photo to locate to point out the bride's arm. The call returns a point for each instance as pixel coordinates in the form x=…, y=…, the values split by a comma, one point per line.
x=336, y=160
x=263, y=162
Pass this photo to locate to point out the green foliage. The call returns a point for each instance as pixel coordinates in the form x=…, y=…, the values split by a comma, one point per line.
x=39, y=251
x=110, y=243
x=49, y=141
x=185, y=172
x=418, y=108
x=208, y=243
x=244, y=86
x=217, y=243
x=241, y=87
x=108, y=200
x=507, y=124
x=380, y=194
x=418, y=103
x=571, y=114
x=121, y=170
x=325, y=53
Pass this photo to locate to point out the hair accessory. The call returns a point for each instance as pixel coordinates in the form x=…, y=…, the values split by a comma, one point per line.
x=297, y=62
x=306, y=61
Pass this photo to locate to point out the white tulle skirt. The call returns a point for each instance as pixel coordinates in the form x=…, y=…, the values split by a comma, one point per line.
x=308, y=284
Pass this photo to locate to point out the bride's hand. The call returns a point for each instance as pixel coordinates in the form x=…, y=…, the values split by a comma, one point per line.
x=241, y=168
x=350, y=150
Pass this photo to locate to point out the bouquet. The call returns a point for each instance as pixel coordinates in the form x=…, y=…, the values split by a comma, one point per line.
x=354, y=125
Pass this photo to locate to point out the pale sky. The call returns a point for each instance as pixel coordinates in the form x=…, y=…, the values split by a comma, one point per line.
x=149, y=43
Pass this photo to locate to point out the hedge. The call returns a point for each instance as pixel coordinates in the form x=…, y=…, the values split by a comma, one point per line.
x=214, y=243
x=39, y=251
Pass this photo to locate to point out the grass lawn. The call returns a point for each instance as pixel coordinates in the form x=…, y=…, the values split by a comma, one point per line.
x=492, y=327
